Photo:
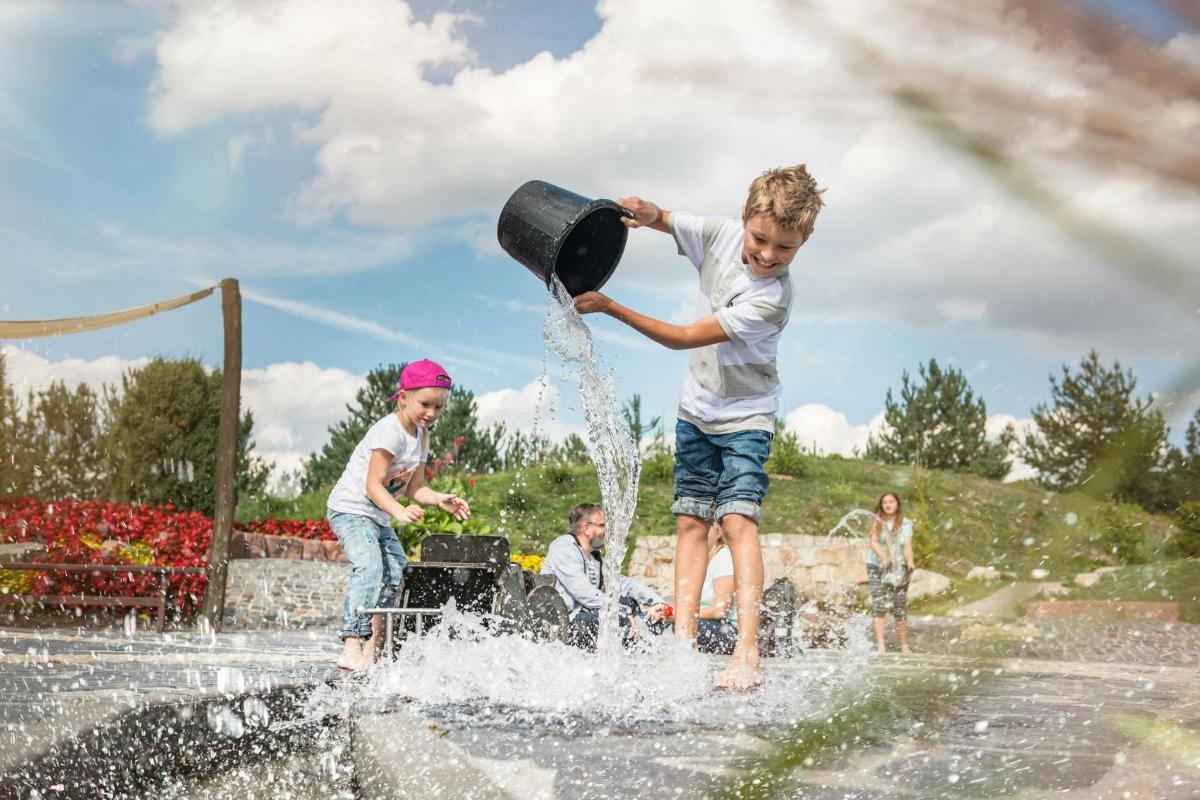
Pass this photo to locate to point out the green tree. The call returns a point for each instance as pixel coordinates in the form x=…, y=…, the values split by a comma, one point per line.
x=938, y=423
x=60, y=443
x=9, y=423
x=632, y=411
x=161, y=439
x=1096, y=434
x=1185, y=473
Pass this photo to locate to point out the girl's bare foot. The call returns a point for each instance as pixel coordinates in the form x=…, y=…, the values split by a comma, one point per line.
x=881, y=647
x=904, y=649
x=355, y=655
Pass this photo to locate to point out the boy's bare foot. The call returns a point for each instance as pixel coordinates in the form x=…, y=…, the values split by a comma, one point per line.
x=742, y=674
x=355, y=655
x=738, y=678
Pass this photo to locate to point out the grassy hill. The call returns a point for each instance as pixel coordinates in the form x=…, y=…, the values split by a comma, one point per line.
x=960, y=520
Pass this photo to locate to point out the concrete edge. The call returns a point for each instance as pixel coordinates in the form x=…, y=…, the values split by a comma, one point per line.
x=397, y=754
x=124, y=751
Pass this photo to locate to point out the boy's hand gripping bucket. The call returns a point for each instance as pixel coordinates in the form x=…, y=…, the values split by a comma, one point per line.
x=555, y=232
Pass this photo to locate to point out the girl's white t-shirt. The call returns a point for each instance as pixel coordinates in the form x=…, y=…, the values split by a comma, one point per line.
x=721, y=566
x=349, y=494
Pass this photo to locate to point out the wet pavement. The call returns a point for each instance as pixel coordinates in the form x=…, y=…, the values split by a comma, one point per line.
x=1087, y=710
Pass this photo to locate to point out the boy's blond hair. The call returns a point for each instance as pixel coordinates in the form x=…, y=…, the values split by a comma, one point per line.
x=788, y=196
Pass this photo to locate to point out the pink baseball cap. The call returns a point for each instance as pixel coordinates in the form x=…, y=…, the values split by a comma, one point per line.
x=423, y=374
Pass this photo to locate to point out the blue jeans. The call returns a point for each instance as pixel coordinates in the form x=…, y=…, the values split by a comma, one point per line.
x=720, y=474
x=376, y=565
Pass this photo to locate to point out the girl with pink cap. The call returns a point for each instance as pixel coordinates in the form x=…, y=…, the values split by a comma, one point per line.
x=385, y=465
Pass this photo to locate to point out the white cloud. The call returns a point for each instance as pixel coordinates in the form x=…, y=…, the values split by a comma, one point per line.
x=1023, y=426
x=829, y=431
x=531, y=408
x=293, y=403
x=27, y=371
x=687, y=119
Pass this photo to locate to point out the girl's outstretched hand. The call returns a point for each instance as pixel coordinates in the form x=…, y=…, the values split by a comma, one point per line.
x=455, y=505
x=410, y=514
x=591, y=303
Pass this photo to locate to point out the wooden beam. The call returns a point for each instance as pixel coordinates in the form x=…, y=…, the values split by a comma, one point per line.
x=213, y=609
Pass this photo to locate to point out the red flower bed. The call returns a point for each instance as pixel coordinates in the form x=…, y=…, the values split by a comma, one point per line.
x=298, y=528
x=103, y=532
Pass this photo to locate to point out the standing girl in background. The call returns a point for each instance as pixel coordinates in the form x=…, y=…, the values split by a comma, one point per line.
x=386, y=464
x=889, y=563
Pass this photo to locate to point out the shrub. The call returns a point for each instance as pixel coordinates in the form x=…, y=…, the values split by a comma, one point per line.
x=1121, y=530
x=1184, y=541
x=787, y=456
x=659, y=465
x=558, y=473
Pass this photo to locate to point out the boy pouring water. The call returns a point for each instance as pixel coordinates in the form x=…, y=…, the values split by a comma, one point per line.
x=731, y=393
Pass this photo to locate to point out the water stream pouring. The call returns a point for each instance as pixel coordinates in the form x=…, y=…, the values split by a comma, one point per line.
x=552, y=231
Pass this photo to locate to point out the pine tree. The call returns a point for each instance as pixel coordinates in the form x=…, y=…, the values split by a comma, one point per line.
x=938, y=423
x=1096, y=434
x=370, y=404
x=478, y=450
x=632, y=411
x=9, y=424
x=458, y=427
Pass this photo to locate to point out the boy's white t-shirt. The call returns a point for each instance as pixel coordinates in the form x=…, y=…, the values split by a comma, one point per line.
x=349, y=494
x=721, y=566
x=731, y=386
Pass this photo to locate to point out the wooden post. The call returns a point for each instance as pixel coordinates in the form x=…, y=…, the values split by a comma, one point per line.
x=213, y=609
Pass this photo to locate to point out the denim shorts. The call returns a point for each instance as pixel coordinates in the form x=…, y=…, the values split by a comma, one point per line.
x=719, y=474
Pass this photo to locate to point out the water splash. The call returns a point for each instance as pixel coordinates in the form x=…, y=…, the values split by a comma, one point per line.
x=857, y=522
x=618, y=464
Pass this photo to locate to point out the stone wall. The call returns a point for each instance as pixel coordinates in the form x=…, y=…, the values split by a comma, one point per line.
x=285, y=593
x=818, y=566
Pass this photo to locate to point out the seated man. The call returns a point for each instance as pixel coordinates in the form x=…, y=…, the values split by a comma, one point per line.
x=574, y=560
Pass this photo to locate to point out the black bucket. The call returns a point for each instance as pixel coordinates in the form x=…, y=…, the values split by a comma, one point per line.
x=555, y=232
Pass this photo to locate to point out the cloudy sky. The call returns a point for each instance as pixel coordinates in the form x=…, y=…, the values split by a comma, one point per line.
x=347, y=162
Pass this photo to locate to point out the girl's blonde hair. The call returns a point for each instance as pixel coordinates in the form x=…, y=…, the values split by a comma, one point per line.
x=789, y=197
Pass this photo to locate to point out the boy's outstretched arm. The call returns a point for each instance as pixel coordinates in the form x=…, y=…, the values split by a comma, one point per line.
x=645, y=214
x=700, y=333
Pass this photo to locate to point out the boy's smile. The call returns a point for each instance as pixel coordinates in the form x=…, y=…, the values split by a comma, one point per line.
x=768, y=248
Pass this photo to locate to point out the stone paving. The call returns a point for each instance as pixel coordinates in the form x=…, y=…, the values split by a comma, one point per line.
x=1152, y=644
x=1058, y=717
x=1003, y=728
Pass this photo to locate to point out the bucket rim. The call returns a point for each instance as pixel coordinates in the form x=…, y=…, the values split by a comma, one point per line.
x=599, y=204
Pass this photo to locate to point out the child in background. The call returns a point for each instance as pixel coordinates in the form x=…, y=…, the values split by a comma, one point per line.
x=385, y=465
x=889, y=564
x=731, y=393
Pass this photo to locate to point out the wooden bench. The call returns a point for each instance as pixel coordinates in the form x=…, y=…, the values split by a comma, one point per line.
x=158, y=600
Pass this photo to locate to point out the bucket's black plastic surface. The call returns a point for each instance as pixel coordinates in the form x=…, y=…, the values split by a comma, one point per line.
x=555, y=232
